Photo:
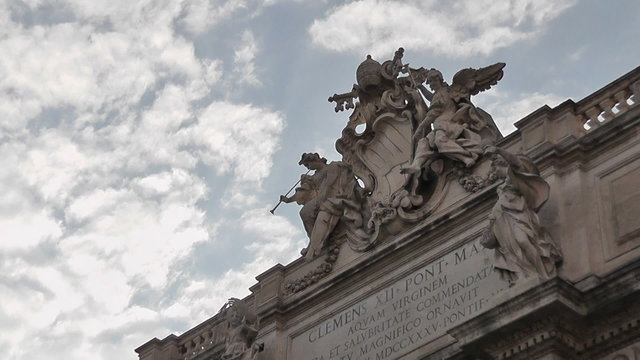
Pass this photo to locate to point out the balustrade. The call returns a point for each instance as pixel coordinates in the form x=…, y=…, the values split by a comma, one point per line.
x=610, y=102
x=201, y=341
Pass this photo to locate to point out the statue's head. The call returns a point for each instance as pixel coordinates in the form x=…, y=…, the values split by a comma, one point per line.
x=435, y=79
x=234, y=311
x=499, y=166
x=312, y=161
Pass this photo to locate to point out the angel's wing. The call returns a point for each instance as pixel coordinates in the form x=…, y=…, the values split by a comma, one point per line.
x=467, y=82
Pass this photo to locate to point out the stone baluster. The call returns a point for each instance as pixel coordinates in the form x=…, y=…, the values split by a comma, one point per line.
x=610, y=102
x=196, y=346
x=206, y=340
x=183, y=351
x=635, y=87
x=189, y=349
x=621, y=97
x=212, y=337
x=200, y=342
x=607, y=106
x=592, y=114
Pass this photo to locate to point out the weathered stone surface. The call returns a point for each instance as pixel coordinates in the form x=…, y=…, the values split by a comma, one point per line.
x=423, y=287
x=411, y=311
x=522, y=246
x=241, y=333
x=327, y=196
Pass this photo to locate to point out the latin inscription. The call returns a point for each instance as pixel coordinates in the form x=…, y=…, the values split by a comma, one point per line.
x=411, y=312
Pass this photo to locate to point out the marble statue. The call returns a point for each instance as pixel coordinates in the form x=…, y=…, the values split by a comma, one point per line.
x=450, y=127
x=241, y=333
x=522, y=246
x=326, y=196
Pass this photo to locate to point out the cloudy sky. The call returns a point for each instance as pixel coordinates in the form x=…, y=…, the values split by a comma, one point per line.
x=143, y=142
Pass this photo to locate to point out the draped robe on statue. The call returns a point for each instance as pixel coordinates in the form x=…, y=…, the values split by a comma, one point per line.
x=521, y=245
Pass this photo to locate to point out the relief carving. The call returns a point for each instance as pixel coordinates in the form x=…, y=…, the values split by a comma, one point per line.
x=522, y=246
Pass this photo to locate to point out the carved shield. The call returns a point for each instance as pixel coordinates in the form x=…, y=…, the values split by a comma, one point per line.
x=389, y=148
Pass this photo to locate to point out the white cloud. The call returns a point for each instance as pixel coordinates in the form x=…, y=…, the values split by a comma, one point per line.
x=274, y=240
x=107, y=123
x=456, y=29
x=274, y=234
x=201, y=15
x=28, y=228
x=508, y=109
x=244, y=60
x=238, y=138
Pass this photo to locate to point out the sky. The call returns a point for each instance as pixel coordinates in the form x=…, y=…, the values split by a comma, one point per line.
x=144, y=142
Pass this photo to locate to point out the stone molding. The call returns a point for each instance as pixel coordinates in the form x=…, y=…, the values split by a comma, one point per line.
x=557, y=318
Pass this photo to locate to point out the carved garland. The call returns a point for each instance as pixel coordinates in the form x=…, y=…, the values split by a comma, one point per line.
x=313, y=276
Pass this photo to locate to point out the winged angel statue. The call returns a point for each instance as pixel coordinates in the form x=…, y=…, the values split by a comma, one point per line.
x=403, y=152
x=453, y=118
x=453, y=127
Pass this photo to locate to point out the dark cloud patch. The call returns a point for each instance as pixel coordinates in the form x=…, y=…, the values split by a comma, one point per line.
x=44, y=253
x=51, y=118
x=42, y=14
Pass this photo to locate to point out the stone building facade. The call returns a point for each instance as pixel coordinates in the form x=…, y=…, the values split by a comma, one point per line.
x=445, y=282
